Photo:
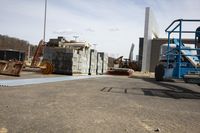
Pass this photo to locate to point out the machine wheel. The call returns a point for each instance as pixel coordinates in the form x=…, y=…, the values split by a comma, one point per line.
x=46, y=67
x=159, y=72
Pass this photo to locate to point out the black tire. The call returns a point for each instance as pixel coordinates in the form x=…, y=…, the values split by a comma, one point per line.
x=159, y=72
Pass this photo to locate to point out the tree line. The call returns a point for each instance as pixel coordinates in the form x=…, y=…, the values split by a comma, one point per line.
x=13, y=43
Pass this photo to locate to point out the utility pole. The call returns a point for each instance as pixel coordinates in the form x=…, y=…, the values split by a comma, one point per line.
x=45, y=17
x=29, y=50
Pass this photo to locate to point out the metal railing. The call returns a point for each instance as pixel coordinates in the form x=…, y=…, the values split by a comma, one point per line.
x=176, y=27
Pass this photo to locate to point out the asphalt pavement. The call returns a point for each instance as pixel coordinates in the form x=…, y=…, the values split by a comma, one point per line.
x=113, y=104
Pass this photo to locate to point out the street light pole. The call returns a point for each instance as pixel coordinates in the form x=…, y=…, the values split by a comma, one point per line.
x=45, y=17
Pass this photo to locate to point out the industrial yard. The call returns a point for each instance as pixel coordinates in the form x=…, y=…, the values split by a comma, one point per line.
x=101, y=104
x=127, y=66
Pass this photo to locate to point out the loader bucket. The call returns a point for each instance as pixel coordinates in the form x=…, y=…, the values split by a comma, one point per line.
x=11, y=67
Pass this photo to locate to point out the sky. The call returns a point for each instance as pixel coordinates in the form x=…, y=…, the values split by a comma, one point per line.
x=111, y=25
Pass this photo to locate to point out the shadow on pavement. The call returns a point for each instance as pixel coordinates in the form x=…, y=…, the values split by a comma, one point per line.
x=171, y=91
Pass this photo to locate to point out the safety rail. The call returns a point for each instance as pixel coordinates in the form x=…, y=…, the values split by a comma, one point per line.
x=181, y=20
x=178, y=29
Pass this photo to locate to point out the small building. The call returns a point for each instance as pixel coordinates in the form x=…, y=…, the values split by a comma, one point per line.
x=10, y=54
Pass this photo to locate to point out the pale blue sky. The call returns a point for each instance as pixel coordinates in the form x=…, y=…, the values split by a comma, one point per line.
x=111, y=24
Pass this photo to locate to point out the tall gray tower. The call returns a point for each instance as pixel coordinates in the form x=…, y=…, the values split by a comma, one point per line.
x=150, y=31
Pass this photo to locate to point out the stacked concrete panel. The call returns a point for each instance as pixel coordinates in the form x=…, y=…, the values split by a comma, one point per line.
x=60, y=58
x=93, y=62
x=71, y=57
x=68, y=59
x=105, y=69
x=58, y=42
x=99, y=64
x=111, y=62
x=105, y=62
x=102, y=63
x=83, y=61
